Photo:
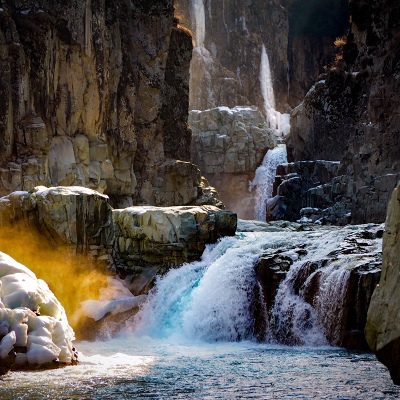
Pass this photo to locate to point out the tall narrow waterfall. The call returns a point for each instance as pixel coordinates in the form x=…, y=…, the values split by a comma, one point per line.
x=198, y=21
x=264, y=179
x=277, y=121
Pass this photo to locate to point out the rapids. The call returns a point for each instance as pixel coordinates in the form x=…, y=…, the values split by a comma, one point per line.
x=194, y=338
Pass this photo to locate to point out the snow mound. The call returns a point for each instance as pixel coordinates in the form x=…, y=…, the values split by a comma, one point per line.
x=33, y=325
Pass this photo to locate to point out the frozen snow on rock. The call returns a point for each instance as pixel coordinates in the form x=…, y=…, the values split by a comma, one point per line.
x=114, y=299
x=33, y=324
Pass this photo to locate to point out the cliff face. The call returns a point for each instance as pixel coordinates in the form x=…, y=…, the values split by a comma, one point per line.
x=229, y=36
x=383, y=327
x=352, y=115
x=85, y=96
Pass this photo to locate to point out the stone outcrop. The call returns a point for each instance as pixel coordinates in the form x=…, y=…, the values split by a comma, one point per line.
x=162, y=238
x=75, y=217
x=229, y=36
x=338, y=286
x=310, y=191
x=93, y=94
x=351, y=115
x=228, y=145
x=383, y=326
x=137, y=241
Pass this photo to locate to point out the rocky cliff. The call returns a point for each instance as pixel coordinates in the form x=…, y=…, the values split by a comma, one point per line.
x=228, y=144
x=229, y=36
x=351, y=114
x=383, y=327
x=94, y=94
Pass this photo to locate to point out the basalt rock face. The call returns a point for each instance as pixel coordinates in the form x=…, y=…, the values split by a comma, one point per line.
x=351, y=115
x=229, y=36
x=88, y=89
x=228, y=145
x=383, y=326
x=310, y=191
x=226, y=60
x=313, y=28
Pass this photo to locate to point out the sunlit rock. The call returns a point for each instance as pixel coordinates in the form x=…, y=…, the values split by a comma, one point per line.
x=383, y=324
x=165, y=237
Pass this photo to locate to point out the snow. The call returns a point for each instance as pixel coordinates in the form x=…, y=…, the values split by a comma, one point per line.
x=31, y=317
x=114, y=299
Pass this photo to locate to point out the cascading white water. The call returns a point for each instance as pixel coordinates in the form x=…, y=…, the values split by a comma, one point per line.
x=280, y=123
x=198, y=21
x=264, y=179
x=333, y=283
x=206, y=300
x=212, y=300
x=277, y=121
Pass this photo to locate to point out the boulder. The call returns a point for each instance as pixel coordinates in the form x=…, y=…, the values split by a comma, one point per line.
x=149, y=240
x=228, y=144
x=383, y=324
x=72, y=216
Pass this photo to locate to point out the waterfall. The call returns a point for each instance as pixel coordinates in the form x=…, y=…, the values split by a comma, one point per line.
x=280, y=123
x=333, y=284
x=206, y=300
x=264, y=179
x=214, y=299
x=198, y=21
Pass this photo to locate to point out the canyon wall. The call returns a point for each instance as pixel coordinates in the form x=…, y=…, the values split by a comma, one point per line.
x=95, y=94
x=229, y=36
x=352, y=114
x=383, y=328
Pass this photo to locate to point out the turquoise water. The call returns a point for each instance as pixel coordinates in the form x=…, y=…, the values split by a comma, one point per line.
x=148, y=369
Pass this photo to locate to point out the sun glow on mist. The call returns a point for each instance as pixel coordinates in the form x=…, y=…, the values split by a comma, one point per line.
x=72, y=278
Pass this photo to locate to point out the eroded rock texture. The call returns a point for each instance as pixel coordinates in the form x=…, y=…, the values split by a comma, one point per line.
x=383, y=324
x=228, y=145
x=87, y=90
x=352, y=114
x=139, y=242
x=229, y=36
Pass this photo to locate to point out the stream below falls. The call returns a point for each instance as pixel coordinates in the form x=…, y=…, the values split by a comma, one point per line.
x=194, y=338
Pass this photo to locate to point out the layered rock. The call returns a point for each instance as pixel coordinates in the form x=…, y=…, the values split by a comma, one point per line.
x=383, y=328
x=34, y=330
x=351, y=115
x=93, y=94
x=229, y=35
x=310, y=191
x=136, y=241
x=71, y=216
x=150, y=240
x=228, y=41
x=228, y=145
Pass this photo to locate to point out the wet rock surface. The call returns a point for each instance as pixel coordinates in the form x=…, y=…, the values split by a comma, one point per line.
x=338, y=287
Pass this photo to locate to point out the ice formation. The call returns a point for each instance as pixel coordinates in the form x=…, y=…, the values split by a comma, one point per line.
x=114, y=299
x=33, y=325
